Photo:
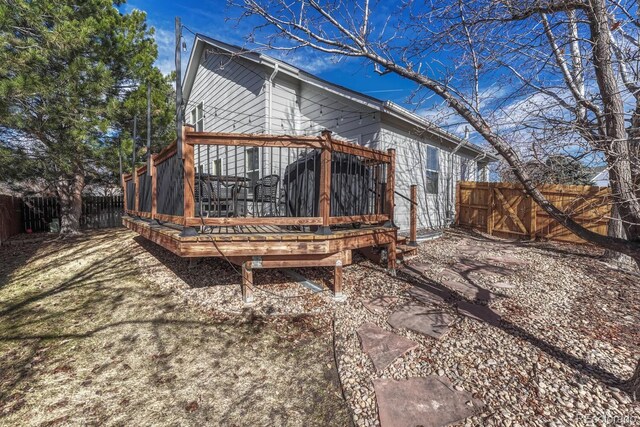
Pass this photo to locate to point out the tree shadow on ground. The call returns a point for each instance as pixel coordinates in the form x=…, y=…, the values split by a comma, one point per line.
x=208, y=271
x=490, y=317
x=82, y=312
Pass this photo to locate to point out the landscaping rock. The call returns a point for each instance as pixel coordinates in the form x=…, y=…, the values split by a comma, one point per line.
x=380, y=304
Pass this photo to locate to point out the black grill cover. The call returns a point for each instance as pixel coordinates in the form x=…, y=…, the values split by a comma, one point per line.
x=350, y=182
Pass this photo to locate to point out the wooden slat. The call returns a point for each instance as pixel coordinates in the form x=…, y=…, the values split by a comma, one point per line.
x=166, y=153
x=366, y=219
x=589, y=206
x=509, y=207
x=253, y=221
x=189, y=177
x=252, y=140
x=358, y=150
x=391, y=180
x=154, y=188
x=325, y=179
x=170, y=218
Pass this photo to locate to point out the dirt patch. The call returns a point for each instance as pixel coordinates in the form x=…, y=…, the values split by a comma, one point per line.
x=88, y=337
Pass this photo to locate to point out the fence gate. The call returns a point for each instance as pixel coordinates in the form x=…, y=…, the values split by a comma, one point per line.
x=42, y=214
x=505, y=210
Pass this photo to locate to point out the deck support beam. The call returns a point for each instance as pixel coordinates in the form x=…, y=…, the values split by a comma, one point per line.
x=391, y=188
x=247, y=282
x=324, y=201
x=391, y=258
x=337, y=281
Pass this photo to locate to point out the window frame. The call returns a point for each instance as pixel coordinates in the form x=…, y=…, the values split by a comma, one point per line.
x=432, y=176
x=248, y=171
x=197, y=117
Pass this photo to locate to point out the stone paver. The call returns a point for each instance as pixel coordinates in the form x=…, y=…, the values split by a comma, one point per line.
x=428, y=402
x=424, y=320
x=481, y=313
x=503, y=285
x=507, y=260
x=436, y=296
x=383, y=347
x=380, y=304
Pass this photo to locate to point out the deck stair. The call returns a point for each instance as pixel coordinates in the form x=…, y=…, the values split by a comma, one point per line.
x=404, y=251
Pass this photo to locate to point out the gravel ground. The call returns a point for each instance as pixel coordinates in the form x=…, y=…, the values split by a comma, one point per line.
x=568, y=330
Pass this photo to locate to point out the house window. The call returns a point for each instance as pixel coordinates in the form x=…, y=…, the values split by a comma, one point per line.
x=464, y=170
x=197, y=117
x=253, y=166
x=216, y=167
x=432, y=172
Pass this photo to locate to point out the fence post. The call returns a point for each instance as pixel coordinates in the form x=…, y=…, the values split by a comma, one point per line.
x=413, y=219
x=458, y=191
x=391, y=187
x=490, y=209
x=189, y=183
x=324, y=201
x=532, y=218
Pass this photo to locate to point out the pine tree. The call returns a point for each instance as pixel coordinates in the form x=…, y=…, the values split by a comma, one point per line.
x=68, y=71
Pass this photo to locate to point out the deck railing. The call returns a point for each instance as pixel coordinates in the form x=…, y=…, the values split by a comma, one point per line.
x=264, y=180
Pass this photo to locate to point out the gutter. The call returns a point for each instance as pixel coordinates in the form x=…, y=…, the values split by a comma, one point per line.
x=269, y=123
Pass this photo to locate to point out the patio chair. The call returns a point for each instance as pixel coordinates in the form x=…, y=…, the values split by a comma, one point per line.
x=265, y=193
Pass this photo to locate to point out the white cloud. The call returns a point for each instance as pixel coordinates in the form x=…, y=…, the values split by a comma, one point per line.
x=166, y=50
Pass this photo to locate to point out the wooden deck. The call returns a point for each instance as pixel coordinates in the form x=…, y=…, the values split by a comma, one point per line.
x=258, y=241
x=162, y=206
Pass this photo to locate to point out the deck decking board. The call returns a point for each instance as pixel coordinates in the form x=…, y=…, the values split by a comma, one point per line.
x=235, y=242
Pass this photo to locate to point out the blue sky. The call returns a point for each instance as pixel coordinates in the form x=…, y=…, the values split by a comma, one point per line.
x=215, y=19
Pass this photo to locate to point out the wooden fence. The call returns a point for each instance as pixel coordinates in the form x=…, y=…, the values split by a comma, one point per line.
x=9, y=217
x=505, y=210
x=42, y=214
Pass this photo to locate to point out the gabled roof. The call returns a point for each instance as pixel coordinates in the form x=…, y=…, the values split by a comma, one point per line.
x=387, y=107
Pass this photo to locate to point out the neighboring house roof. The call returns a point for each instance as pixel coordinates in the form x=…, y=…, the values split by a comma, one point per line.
x=601, y=179
x=383, y=106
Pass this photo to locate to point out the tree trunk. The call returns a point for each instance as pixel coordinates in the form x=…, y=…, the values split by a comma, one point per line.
x=616, y=229
x=70, y=197
x=633, y=385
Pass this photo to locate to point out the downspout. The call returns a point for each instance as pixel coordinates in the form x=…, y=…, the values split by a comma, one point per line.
x=270, y=98
x=269, y=123
x=450, y=190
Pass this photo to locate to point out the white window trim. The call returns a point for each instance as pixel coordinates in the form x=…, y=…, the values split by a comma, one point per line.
x=246, y=164
x=437, y=171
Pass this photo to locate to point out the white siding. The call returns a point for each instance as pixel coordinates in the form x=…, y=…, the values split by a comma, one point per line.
x=238, y=97
x=232, y=92
x=411, y=164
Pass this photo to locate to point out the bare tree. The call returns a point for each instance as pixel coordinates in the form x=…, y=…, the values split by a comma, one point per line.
x=579, y=56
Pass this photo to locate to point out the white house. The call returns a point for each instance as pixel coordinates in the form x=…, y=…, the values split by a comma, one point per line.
x=227, y=89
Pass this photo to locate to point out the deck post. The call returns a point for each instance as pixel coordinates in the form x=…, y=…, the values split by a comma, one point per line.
x=324, y=201
x=136, y=182
x=189, y=182
x=247, y=282
x=337, y=281
x=413, y=218
x=391, y=258
x=154, y=186
x=391, y=188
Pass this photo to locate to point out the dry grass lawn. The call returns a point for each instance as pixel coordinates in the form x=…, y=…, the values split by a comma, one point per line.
x=86, y=339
